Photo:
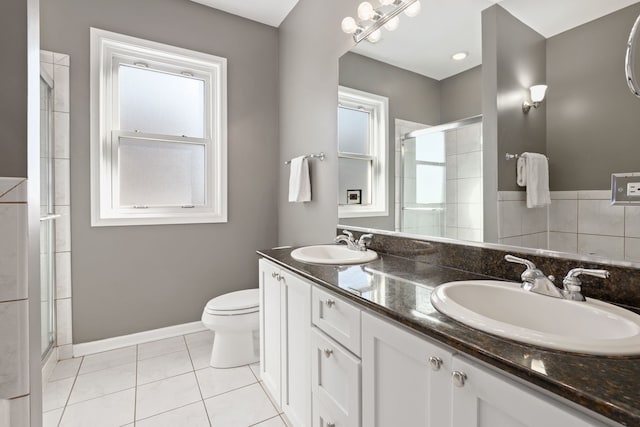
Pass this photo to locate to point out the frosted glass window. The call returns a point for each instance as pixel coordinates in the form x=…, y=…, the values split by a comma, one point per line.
x=354, y=174
x=353, y=131
x=431, y=148
x=156, y=173
x=430, y=184
x=162, y=103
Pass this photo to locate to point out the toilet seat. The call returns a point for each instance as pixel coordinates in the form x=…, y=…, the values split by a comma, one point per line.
x=234, y=303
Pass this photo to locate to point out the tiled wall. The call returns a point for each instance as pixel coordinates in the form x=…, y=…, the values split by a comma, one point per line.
x=464, y=212
x=14, y=308
x=582, y=222
x=58, y=66
x=519, y=225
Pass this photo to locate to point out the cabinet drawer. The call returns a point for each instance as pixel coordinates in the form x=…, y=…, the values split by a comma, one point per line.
x=337, y=318
x=324, y=416
x=335, y=379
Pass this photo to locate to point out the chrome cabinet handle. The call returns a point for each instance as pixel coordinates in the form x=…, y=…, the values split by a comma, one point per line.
x=277, y=276
x=328, y=352
x=331, y=424
x=330, y=303
x=459, y=378
x=436, y=363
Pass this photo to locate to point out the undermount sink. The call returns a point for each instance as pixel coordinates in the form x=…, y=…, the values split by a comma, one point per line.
x=504, y=309
x=332, y=254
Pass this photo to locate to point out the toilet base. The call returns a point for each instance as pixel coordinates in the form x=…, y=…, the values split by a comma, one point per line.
x=233, y=349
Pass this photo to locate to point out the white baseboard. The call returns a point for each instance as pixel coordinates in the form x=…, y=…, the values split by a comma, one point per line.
x=49, y=365
x=137, y=338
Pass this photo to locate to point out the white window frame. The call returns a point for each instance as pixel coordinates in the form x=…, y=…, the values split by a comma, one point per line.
x=378, y=108
x=108, y=51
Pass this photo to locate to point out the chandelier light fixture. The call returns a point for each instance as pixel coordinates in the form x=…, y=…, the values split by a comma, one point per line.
x=371, y=20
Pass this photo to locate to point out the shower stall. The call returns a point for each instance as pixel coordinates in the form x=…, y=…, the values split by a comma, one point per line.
x=441, y=181
x=47, y=217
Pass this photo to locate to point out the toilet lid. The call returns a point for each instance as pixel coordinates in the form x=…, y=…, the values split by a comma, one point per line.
x=235, y=301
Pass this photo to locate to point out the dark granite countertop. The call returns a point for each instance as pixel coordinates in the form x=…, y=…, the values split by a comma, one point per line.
x=400, y=289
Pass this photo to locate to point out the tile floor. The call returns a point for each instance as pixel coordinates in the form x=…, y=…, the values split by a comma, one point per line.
x=161, y=383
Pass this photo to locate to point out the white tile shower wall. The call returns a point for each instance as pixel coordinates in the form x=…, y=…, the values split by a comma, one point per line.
x=464, y=213
x=519, y=225
x=14, y=306
x=59, y=64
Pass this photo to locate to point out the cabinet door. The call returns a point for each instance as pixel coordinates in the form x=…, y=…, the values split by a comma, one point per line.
x=296, y=345
x=489, y=399
x=335, y=377
x=400, y=387
x=270, y=328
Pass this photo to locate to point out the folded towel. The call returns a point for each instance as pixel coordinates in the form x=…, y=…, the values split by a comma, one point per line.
x=533, y=171
x=299, y=182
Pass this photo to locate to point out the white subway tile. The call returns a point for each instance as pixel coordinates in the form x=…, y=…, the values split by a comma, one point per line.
x=470, y=216
x=563, y=242
x=451, y=232
x=19, y=412
x=469, y=138
x=17, y=194
x=61, y=88
x=452, y=191
x=599, y=217
x=512, y=241
x=62, y=182
x=563, y=216
x=63, y=317
x=470, y=190
x=632, y=249
x=564, y=195
x=470, y=234
x=61, y=135
x=63, y=275
x=510, y=218
x=7, y=184
x=451, y=166
x=605, y=246
x=632, y=221
x=595, y=195
x=534, y=220
x=470, y=165
x=451, y=217
x=13, y=252
x=63, y=229
x=451, y=142
x=14, y=348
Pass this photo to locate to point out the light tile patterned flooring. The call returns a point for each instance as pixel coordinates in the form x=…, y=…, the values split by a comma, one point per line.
x=161, y=383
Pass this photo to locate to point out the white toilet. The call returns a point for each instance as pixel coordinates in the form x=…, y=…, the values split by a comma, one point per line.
x=234, y=318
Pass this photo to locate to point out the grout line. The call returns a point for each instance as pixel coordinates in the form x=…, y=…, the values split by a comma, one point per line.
x=270, y=398
x=197, y=381
x=267, y=419
x=75, y=378
x=135, y=392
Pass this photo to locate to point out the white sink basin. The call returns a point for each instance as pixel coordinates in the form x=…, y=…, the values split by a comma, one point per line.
x=332, y=254
x=504, y=309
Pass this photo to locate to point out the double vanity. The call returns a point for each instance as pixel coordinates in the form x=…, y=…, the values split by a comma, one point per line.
x=366, y=342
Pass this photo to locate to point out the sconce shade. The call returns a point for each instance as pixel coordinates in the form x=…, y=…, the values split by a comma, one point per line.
x=349, y=25
x=392, y=24
x=538, y=92
x=413, y=10
x=365, y=11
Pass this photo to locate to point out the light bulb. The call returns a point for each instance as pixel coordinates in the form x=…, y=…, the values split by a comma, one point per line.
x=375, y=36
x=349, y=25
x=413, y=10
x=459, y=56
x=538, y=92
x=392, y=24
x=386, y=2
x=365, y=11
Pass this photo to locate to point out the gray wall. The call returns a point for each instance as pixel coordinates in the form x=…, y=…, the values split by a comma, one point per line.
x=310, y=44
x=136, y=278
x=13, y=87
x=412, y=97
x=521, y=63
x=592, y=117
x=461, y=95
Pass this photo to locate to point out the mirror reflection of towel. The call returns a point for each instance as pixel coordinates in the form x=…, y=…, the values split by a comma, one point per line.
x=299, y=182
x=533, y=172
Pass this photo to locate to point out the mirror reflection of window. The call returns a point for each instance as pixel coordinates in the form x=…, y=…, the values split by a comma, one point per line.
x=355, y=159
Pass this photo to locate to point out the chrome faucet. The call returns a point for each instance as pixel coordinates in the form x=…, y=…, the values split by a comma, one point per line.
x=360, y=245
x=534, y=280
x=573, y=286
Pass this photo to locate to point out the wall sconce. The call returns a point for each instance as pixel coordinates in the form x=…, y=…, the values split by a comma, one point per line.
x=372, y=20
x=537, y=95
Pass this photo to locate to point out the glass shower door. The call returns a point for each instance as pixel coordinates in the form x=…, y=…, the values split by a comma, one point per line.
x=47, y=217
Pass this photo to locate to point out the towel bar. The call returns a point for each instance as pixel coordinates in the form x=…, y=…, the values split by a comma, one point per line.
x=309, y=156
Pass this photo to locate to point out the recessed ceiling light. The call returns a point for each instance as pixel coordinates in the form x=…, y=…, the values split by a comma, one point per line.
x=459, y=56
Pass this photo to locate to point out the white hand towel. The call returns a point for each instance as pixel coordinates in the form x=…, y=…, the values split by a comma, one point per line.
x=299, y=182
x=521, y=172
x=536, y=178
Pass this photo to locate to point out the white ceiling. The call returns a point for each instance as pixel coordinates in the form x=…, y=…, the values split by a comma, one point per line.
x=270, y=12
x=424, y=44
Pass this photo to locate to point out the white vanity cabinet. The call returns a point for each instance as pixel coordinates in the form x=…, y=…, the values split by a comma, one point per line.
x=405, y=378
x=285, y=322
x=483, y=398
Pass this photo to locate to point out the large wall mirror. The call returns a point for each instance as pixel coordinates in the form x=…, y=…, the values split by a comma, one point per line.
x=431, y=119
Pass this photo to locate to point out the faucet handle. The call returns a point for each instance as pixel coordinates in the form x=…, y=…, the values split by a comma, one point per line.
x=530, y=265
x=348, y=234
x=364, y=240
x=573, y=286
